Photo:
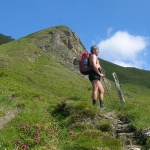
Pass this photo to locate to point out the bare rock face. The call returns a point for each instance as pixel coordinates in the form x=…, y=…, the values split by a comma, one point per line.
x=61, y=42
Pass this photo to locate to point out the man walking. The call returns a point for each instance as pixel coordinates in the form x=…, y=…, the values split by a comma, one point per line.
x=94, y=76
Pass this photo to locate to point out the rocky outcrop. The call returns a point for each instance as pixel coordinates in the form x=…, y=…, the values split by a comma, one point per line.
x=61, y=42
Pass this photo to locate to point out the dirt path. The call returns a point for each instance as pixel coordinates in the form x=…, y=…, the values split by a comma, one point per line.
x=10, y=114
x=124, y=131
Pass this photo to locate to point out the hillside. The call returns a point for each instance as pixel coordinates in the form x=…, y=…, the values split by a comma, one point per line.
x=5, y=39
x=48, y=102
x=127, y=75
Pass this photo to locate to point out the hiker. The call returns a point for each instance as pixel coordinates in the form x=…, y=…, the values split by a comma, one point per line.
x=94, y=77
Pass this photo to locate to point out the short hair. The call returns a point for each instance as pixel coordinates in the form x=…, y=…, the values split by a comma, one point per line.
x=94, y=47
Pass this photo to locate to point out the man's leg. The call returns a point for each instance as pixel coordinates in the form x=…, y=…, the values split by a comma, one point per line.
x=94, y=91
x=101, y=95
x=101, y=91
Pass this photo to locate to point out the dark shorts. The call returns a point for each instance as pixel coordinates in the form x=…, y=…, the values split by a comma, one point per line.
x=93, y=76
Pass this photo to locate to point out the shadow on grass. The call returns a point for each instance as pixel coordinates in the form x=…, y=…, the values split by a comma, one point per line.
x=74, y=98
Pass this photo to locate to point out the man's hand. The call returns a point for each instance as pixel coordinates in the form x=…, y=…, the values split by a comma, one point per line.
x=102, y=75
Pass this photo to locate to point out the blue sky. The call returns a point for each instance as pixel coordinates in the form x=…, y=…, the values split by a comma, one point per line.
x=121, y=28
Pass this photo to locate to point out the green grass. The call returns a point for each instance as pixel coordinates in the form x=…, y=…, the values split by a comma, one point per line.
x=92, y=139
x=49, y=95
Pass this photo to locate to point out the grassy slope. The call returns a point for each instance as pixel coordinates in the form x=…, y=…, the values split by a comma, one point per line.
x=32, y=81
x=132, y=80
x=135, y=84
x=34, y=87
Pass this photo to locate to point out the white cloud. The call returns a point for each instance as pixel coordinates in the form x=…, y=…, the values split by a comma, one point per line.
x=123, y=49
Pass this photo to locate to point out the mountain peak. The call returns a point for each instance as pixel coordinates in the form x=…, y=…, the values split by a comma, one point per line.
x=60, y=41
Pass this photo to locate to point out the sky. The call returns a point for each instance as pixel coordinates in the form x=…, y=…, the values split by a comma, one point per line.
x=120, y=28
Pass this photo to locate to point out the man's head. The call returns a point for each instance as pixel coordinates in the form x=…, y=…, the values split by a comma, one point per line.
x=94, y=50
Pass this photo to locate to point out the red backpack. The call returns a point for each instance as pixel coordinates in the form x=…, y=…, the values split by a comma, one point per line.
x=84, y=64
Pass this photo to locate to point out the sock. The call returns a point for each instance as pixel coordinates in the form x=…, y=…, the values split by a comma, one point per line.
x=101, y=102
x=94, y=102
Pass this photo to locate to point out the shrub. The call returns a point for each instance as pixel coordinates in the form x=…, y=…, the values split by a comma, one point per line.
x=62, y=109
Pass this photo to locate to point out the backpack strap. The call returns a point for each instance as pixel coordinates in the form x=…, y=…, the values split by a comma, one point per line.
x=89, y=61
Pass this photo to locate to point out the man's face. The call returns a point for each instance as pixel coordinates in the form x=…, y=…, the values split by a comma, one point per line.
x=96, y=52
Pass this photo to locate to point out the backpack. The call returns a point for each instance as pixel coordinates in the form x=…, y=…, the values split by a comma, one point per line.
x=84, y=64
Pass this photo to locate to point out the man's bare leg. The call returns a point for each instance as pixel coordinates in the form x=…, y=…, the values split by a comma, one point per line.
x=101, y=95
x=98, y=89
x=101, y=91
x=94, y=92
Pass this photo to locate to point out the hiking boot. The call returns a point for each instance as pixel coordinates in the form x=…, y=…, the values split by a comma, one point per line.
x=95, y=103
x=102, y=105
